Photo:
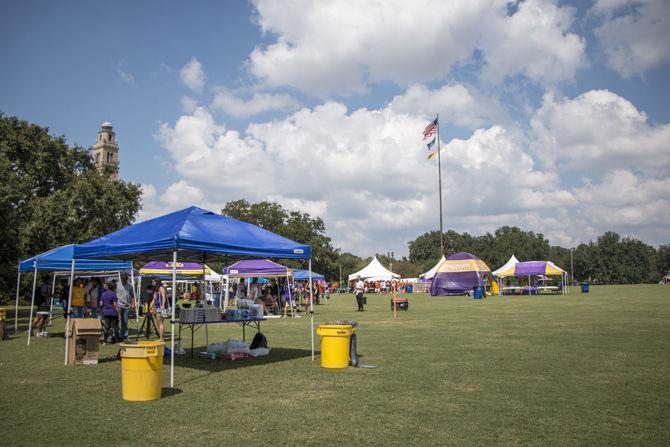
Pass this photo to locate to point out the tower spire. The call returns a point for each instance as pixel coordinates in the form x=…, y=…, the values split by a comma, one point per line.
x=105, y=150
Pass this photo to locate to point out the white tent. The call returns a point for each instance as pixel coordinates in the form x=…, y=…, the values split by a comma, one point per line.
x=430, y=273
x=508, y=265
x=212, y=276
x=374, y=271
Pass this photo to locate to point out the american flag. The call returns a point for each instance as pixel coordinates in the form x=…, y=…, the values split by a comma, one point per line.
x=430, y=129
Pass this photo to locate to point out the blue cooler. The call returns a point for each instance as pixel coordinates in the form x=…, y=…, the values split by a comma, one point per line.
x=478, y=293
x=409, y=289
x=585, y=287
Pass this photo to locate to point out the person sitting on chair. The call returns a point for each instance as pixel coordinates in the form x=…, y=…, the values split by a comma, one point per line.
x=269, y=302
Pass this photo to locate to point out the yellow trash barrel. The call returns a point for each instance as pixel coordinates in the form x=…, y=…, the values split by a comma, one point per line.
x=335, y=344
x=141, y=370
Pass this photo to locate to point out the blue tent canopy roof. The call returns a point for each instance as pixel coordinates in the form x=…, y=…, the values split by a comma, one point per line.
x=303, y=275
x=192, y=232
x=60, y=260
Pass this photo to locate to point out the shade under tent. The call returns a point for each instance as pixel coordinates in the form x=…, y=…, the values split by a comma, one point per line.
x=255, y=268
x=59, y=262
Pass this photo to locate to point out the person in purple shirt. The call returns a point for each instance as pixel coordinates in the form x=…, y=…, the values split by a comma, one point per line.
x=109, y=311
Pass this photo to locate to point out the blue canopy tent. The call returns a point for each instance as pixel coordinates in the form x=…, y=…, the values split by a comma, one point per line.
x=303, y=275
x=192, y=234
x=60, y=260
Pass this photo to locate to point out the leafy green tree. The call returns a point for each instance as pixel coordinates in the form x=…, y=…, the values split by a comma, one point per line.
x=425, y=247
x=561, y=257
x=350, y=263
x=297, y=226
x=612, y=260
x=525, y=245
x=51, y=195
x=494, y=249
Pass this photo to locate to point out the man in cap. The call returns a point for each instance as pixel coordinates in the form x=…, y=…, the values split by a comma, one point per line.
x=126, y=301
x=359, y=288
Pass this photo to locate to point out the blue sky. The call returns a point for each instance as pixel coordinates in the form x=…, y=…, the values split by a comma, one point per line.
x=554, y=115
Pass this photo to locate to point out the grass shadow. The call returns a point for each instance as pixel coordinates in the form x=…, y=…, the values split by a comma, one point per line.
x=114, y=358
x=169, y=392
x=276, y=355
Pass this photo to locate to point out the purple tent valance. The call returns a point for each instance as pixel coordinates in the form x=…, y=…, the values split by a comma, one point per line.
x=255, y=267
x=182, y=268
x=530, y=268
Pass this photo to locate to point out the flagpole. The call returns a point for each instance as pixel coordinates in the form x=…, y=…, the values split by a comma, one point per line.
x=439, y=177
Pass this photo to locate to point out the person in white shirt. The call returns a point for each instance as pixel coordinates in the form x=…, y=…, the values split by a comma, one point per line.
x=241, y=292
x=359, y=289
x=254, y=293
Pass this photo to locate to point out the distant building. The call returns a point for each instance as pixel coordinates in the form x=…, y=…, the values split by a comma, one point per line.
x=105, y=149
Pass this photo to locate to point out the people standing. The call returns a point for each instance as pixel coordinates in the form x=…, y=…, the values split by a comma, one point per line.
x=93, y=294
x=159, y=305
x=109, y=309
x=254, y=292
x=241, y=292
x=322, y=289
x=78, y=298
x=43, y=297
x=126, y=296
x=308, y=298
x=359, y=289
x=64, y=294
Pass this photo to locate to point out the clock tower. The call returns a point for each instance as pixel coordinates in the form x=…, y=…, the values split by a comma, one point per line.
x=105, y=149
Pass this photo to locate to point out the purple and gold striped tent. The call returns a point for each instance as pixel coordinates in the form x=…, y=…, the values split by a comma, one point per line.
x=458, y=274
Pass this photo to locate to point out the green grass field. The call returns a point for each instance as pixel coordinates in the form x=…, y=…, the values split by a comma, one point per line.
x=550, y=370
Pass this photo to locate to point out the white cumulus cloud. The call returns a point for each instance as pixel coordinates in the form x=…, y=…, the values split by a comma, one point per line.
x=343, y=46
x=634, y=34
x=460, y=105
x=599, y=131
x=536, y=41
x=193, y=76
x=232, y=104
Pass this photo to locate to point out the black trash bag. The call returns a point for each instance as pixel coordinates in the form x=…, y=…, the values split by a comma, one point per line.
x=353, y=355
x=259, y=341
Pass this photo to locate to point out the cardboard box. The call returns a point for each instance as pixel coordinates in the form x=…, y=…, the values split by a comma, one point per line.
x=84, y=341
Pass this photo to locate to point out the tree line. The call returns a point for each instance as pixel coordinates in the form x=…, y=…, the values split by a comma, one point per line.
x=610, y=259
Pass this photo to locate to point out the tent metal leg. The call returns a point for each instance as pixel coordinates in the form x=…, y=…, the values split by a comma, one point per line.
x=225, y=299
x=32, y=305
x=311, y=306
x=172, y=322
x=69, y=309
x=51, y=305
x=16, y=305
x=132, y=283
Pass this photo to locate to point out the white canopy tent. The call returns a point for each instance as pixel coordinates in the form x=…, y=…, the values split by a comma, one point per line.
x=374, y=271
x=511, y=262
x=211, y=278
x=430, y=273
x=508, y=265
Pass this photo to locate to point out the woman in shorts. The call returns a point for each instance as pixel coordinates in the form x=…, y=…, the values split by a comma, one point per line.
x=159, y=305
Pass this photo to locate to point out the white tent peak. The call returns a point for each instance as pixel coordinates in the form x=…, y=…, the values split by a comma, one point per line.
x=374, y=271
x=430, y=273
x=212, y=275
x=508, y=265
